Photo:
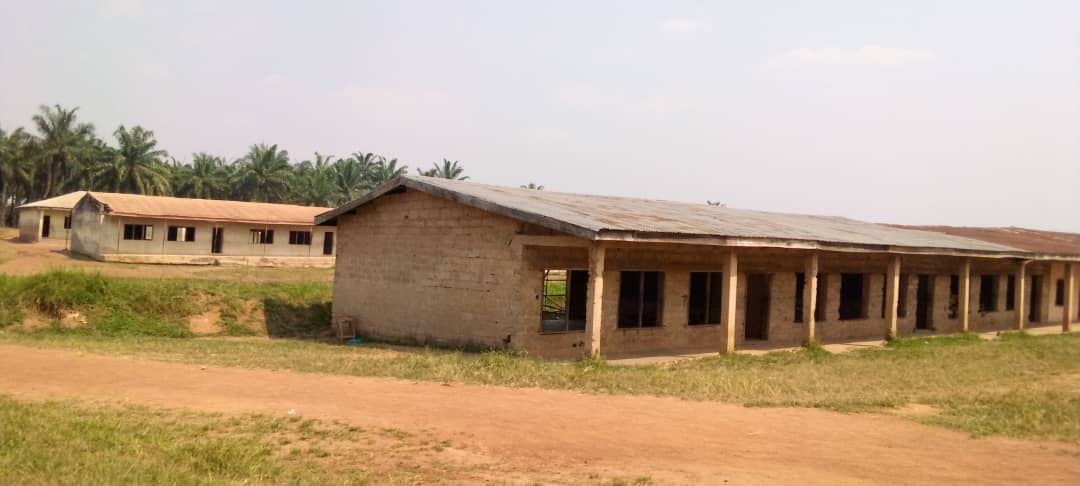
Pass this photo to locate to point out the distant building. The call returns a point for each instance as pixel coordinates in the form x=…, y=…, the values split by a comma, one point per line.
x=152, y=229
x=565, y=275
x=48, y=218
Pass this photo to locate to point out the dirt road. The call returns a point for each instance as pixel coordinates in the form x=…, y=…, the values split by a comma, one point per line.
x=670, y=440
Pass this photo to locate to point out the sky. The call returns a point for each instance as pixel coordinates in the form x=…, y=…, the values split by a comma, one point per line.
x=938, y=112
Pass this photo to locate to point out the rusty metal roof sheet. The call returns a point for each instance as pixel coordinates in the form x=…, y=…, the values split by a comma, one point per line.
x=161, y=207
x=1039, y=241
x=66, y=201
x=621, y=218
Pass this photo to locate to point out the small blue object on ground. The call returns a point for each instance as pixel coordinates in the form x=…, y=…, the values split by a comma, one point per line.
x=355, y=341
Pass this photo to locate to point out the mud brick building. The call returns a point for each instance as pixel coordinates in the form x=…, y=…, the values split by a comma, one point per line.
x=564, y=275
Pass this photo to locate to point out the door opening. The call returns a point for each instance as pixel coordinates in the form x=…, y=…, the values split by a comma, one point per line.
x=1036, y=299
x=216, y=237
x=757, y=306
x=328, y=243
x=46, y=225
x=924, y=298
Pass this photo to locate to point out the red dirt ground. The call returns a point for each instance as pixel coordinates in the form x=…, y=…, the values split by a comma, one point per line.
x=579, y=437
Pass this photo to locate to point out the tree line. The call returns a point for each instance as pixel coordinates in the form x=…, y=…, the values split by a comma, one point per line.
x=60, y=154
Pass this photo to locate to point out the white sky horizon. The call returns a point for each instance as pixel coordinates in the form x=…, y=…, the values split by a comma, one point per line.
x=960, y=113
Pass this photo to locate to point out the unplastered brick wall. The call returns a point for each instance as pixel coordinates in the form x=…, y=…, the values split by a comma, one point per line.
x=998, y=318
x=415, y=267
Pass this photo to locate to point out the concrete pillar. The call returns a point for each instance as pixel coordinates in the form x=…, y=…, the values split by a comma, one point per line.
x=595, y=304
x=1070, y=297
x=810, y=297
x=1020, y=294
x=892, y=296
x=965, y=295
x=727, y=306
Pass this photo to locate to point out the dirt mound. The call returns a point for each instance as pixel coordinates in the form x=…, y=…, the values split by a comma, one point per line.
x=208, y=322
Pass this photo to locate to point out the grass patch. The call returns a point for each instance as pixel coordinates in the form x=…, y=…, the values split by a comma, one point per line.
x=1019, y=385
x=71, y=442
x=68, y=443
x=1025, y=412
x=114, y=306
x=964, y=376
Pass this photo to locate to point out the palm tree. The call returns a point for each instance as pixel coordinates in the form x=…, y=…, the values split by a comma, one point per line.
x=138, y=166
x=205, y=177
x=15, y=170
x=384, y=170
x=532, y=185
x=63, y=144
x=313, y=183
x=448, y=170
x=93, y=174
x=263, y=174
x=352, y=175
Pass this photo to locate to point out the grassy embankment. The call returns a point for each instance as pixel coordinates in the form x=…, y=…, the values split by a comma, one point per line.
x=1019, y=386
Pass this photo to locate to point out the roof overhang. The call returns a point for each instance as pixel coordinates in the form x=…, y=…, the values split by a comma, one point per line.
x=401, y=184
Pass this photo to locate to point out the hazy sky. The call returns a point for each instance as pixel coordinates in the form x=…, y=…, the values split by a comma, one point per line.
x=944, y=112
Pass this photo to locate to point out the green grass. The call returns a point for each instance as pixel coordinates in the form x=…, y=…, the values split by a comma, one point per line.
x=115, y=306
x=1019, y=386
x=69, y=443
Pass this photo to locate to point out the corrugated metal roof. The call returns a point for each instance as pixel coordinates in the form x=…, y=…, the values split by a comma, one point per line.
x=66, y=201
x=607, y=217
x=1039, y=241
x=161, y=207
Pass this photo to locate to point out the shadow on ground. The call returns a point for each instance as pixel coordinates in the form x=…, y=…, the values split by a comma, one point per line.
x=305, y=321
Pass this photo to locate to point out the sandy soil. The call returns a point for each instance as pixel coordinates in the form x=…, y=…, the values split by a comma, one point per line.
x=18, y=258
x=576, y=436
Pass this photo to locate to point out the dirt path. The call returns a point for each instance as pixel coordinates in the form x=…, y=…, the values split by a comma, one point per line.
x=670, y=440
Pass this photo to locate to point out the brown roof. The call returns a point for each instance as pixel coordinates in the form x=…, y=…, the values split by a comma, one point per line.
x=1038, y=241
x=161, y=207
x=630, y=219
x=66, y=201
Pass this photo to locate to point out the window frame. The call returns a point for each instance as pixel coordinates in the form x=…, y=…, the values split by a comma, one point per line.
x=864, y=301
x=988, y=304
x=568, y=324
x=711, y=277
x=67, y=222
x=300, y=237
x=145, y=231
x=799, y=300
x=641, y=300
x=902, y=295
x=262, y=236
x=173, y=234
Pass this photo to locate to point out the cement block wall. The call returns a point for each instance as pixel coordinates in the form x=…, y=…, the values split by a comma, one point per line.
x=101, y=236
x=31, y=221
x=29, y=224
x=418, y=267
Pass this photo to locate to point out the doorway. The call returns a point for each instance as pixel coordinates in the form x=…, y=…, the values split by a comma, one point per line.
x=1036, y=298
x=757, y=306
x=46, y=225
x=217, y=236
x=328, y=243
x=924, y=297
